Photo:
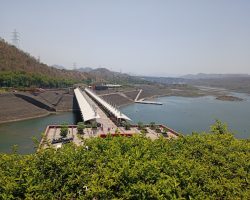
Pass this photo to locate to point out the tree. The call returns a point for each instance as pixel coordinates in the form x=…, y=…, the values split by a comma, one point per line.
x=80, y=127
x=25, y=79
x=219, y=128
x=64, y=130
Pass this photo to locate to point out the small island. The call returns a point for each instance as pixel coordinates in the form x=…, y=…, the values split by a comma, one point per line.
x=228, y=98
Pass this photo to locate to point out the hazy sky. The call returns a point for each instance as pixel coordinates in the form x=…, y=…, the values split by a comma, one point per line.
x=157, y=37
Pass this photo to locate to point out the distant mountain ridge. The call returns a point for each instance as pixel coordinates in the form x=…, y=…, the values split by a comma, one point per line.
x=164, y=80
x=58, y=66
x=115, y=77
x=84, y=69
x=212, y=76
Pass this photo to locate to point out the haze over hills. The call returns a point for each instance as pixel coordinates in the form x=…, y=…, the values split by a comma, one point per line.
x=58, y=66
x=13, y=59
x=209, y=76
x=164, y=80
x=84, y=69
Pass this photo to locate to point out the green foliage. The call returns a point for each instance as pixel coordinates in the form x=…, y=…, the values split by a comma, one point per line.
x=80, y=127
x=23, y=79
x=219, y=127
x=117, y=131
x=127, y=125
x=64, y=130
x=94, y=125
x=140, y=125
x=165, y=131
x=88, y=81
x=158, y=130
x=205, y=166
x=152, y=125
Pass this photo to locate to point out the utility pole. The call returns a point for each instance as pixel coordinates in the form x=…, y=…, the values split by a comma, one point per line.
x=15, y=38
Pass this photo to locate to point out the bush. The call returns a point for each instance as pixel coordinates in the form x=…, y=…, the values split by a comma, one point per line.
x=64, y=130
x=117, y=131
x=152, y=125
x=80, y=127
x=143, y=132
x=219, y=127
x=165, y=131
x=158, y=130
x=145, y=129
x=203, y=166
x=140, y=125
x=94, y=125
x=127, y=125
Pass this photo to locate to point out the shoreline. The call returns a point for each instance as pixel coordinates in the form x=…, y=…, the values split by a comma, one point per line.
x=38, y=116
x=25, y=118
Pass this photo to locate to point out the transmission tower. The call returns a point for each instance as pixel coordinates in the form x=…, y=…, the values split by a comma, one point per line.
x=15, y=38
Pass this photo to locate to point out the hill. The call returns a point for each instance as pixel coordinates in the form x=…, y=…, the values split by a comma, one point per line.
x=14, y=59
x=84, y=69
x=235, y=84
x=18, y=68
x=164, y=80
x=16, y=63
x=214, y=76
x=58, y=67
x=115, y=77
x=232, y=82
x=201, y=166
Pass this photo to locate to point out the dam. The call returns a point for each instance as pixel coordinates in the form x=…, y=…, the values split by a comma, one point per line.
x=102, y=119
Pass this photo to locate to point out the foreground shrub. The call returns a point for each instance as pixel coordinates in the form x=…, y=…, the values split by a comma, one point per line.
x=207, y=166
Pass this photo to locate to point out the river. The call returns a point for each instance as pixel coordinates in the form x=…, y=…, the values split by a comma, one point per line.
x=187, y=115
x=183, y=114
x=20, y=133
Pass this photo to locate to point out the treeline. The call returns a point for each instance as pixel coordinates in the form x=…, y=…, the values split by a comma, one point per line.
x=23, y=79
x=201, y=166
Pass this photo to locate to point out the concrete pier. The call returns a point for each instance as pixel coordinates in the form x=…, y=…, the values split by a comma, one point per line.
x=149, y=102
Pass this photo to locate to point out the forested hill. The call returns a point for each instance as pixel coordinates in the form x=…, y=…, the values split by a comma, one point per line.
x=13, y=59
x=18, y=68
